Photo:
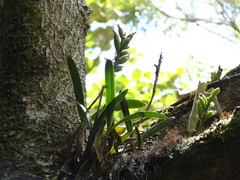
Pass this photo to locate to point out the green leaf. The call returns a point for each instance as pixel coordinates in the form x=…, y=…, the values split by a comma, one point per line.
x=147, y=75
x=125, y=111
x=108, y=110
x=87, y=115
x=157, y=128
x=125, y=136
x=123, y=139
x=199, y=126
x=139, y=138
x=137, y=74
x=200, y=111
x=209, y=115
x=98, y=126
x=194, y=118
x=77, y=85
x=203, y=102
x=214, y=93
x=109, y=81
x=98, y=140
x=110, y=88
x=132, y=103
x=137, y=116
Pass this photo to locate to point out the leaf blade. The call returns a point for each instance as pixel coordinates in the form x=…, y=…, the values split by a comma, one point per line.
x=77, y=84
x=110, y=88
x=132, y=103
x=138, y=115
x=157, y=128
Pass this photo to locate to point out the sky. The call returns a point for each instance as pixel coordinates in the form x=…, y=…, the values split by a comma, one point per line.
x=196, y=42
x=203, y=46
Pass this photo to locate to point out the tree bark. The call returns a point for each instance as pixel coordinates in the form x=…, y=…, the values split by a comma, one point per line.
x=172, y=154
x=213, y=155
x=35, y=111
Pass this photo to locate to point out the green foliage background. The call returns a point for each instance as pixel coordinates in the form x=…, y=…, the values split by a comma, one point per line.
x=142, y=14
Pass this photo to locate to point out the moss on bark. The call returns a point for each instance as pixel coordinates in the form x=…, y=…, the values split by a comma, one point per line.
x=211, y=155
x=35, y=112
x=21, y=62
x=23, y=67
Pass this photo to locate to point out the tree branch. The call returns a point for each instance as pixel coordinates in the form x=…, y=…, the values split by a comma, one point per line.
x=227, y=20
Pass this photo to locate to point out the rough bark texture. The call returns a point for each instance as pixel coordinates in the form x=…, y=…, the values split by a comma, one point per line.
x=35, y=111
x=213, y=155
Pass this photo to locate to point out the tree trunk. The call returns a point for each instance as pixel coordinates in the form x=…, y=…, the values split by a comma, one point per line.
x=35, y=110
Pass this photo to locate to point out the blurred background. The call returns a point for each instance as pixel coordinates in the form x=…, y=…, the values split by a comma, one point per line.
x=194, y=37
